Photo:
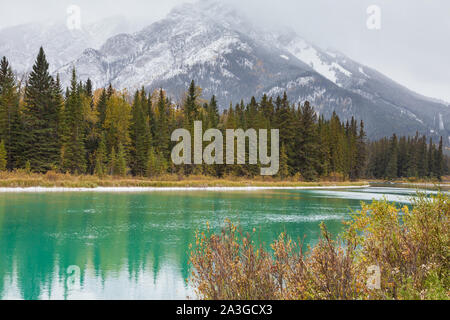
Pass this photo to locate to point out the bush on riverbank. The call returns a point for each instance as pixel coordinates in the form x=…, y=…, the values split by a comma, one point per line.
x=410, y=249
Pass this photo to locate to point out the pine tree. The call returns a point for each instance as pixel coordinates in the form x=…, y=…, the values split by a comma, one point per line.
x=7, y=96
x=41, y=143
x=439, y=161
x=422, y=158
x=101, y=109
x=162, y=126
x=213, y=113
x=74, y=154
x=307, y=149
x=3, y=156
x=101, y=159
x=89, y=93
x=191, y=111
x=140, y=135
x=361, y=152
x=392, y=169
x=151, y=169
x=430, y=159
x=120, y=168
x=402, y=157
x=284, y=168
x=10, y=124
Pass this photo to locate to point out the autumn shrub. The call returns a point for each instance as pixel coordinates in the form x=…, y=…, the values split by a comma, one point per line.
x=230, y=266
x=410, y=248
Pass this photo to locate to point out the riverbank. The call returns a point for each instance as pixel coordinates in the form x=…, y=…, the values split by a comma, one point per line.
x=33, y=182
x=414, y=184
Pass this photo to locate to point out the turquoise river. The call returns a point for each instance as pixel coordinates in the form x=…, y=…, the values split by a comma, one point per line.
x=134, y=245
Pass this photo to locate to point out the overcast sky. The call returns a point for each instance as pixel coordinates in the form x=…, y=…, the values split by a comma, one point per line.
x=412, y=46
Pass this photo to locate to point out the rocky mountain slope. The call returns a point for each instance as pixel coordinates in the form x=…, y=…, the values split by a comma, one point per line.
x=226, y=55
x=21, y=43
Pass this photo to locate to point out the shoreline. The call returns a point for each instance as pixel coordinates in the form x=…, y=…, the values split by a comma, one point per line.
x=168, y=189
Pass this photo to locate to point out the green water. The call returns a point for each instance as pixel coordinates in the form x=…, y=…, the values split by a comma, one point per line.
x=135, y=245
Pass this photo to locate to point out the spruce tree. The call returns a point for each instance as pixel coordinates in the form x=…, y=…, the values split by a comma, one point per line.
x=101, y=109
x=213, y=113
x=101, y=158
x=7, y=96
x=162, y=126
x=10, y=124
x=307, y=149
x=3, y=156
x=422, y=158
x=120, y=168
x=439, y=161
x=152, y=164
x=430, y=159
x=41, y=143
x=191, y=111
x=392, y=167
x=284, y=167
x=73, y=154
x=361, y=152
x=140, y=135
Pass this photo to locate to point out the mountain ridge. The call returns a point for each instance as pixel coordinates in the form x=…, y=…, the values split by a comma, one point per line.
x=228, y=56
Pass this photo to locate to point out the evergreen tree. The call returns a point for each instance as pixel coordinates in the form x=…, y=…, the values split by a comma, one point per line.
x=284, y=168
x=191, y=112
x=307, y=150
x=392, y=169
x=140, y=135
x=10, y=124
x=361, y=152
x=73, y=151
x=112, y=162
x=213, y=113
x=430, y=171
x=7, y=96
x=162, y=126
x=101, y=159
x=101, y=109
x=3, y=156
x=439, y=161
x=152, y=165
x=120, y=168
x=41, y=143
x=422, y=159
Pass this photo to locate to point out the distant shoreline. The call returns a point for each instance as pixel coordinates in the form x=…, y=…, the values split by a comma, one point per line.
x=166, y=189
x=14, y=181
x=17, y=182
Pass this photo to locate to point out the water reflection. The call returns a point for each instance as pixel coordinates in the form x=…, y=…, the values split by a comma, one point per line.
x=134, y=246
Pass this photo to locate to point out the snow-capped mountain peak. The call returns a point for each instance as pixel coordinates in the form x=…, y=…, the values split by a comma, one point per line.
x=227, y=55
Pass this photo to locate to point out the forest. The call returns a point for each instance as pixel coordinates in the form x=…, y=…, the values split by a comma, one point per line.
x=79, y=130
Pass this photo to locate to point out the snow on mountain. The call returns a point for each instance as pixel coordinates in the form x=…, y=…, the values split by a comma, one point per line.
x=21, y=43
x=228, y=56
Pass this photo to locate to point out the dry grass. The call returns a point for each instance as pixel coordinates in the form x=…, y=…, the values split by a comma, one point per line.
x=22, y=179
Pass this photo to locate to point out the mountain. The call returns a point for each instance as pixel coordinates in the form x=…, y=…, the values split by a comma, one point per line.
x=21, y=43
x=226, y=55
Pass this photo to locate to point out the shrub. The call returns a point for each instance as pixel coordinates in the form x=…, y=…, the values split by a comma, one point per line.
x=411, y=248
x=229, y=266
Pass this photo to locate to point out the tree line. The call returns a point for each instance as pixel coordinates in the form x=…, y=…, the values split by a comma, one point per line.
x=108, y=132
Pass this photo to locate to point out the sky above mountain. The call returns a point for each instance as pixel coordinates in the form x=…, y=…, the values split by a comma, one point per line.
x=411, y=46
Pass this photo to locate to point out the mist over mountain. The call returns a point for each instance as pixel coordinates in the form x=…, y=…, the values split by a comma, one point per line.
x=226, y=55
x=21, y=43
